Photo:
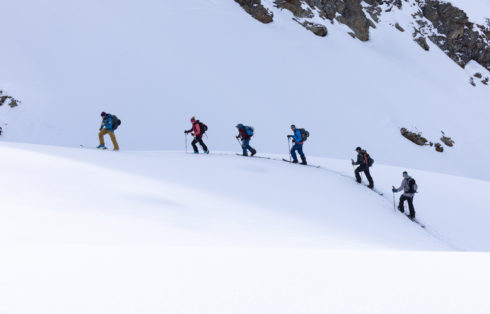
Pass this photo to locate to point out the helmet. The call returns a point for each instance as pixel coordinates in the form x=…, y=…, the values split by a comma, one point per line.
x=358, y=148
x=103, y=114
x=239, y=125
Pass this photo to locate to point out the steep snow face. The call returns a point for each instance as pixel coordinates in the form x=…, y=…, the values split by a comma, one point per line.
x=157, y=64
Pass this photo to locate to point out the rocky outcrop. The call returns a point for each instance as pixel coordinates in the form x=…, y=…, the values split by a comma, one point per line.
x=257, y=10
x=416, y=138
x=348, y=12
x=439, y=147
x=317, y=29
x=447, y=140
x=460, y=39
x=6, y=99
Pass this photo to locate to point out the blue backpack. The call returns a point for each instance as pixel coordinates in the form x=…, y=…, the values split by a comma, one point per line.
x=249, y=130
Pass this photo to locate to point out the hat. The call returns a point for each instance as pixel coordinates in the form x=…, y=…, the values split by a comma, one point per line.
x=193, y=119
x=358, y=148
x=293, y=126
x=103, y=114
x=239, y=125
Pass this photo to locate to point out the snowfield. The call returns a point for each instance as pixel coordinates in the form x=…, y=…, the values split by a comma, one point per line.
x=151, y=229
x=87, y=231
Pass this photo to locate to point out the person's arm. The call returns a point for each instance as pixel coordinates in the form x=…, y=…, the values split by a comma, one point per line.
x=359, y=160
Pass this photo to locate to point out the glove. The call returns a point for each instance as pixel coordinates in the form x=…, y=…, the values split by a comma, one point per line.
x=289, y=136
x=353, y=162
x=238, y=136
x=192, y=134
x=186, y=132
x=393, y=190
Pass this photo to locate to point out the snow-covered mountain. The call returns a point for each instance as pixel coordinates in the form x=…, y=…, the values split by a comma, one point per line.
x=157, y=64
x=150, y=229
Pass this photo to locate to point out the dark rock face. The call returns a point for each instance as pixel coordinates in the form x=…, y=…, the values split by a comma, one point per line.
x=351, y=14
x=12, y=102
x=257, y=10
x=439, y=147
x=460, y=41
x=416, y=138
x=447, y=140
x=295, y=6
x=317, y=29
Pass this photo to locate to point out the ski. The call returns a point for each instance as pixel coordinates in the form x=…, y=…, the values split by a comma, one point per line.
x=314, y=166
x=88, y=147
x=416, y=221
x=375, y=191
x=261, y=157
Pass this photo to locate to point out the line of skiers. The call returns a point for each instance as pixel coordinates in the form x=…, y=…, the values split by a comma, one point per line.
x=364, y=161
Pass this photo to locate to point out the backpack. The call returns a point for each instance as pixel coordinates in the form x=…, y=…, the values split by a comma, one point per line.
x=249, y=130
x=412, y=186
x=115, y=122
x=304, y=134
x=203, y=127
x=368, y=159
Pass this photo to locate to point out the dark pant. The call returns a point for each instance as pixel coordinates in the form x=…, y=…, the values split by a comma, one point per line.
x=246, y=145
x=198, y=139
x=404, y=198
x=366, y=172
x=299, y=148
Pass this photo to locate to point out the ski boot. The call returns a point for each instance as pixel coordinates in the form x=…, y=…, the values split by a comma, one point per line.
x=303, y=160
x=101, y=147
x=206, y=151
x=295, y=161
x=253, y=152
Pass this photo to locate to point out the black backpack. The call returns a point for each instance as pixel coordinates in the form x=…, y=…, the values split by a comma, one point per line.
x=115, y=122
x=304, y=134
x=202, y=127
x=412, y=186
x=368, y=159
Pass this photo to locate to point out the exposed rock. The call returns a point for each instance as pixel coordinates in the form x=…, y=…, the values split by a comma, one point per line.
x=439, y=147
x=478, y=75
x=416, y=138
x=472, y=81
x=296, y=7
x=456, y=35
x=352, y=34
x=317, y=29
x=422, y=43
x=485, y=81
x=13, y=103
x=351, y=12
x=447, y=140
x=398, y=27
x=257, y=10
x=3, y=99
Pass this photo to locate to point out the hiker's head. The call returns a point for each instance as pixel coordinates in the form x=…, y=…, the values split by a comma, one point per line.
x=358, y=149
x=293, y=127
x=193, y=119
x=405, y=174
x=103, y=114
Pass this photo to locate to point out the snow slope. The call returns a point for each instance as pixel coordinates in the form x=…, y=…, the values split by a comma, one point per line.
x=87, y=231
x=157, y=63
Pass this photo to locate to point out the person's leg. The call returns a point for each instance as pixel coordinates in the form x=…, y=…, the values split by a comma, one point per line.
x=293, y=152
x=194, y=146
x=245, y=147
x=400, y=204
x=101, y=137
x=410, y=207
x=300, y=150
x=204, y=147
x=369, y=178
x=114, y=141
x=358, y=176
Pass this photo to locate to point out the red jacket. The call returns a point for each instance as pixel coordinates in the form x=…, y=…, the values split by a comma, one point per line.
x=196, y=128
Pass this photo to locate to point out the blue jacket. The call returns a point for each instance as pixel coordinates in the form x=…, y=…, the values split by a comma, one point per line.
x=297, y=137
x=107, y=123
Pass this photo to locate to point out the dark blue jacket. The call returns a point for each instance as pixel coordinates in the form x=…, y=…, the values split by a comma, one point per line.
x=297, y=137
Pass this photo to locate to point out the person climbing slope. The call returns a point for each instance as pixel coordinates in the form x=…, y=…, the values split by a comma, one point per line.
x=108, y=126
x=409, y=188
x=299, y=137
x=198, y=129
x=245, y=133
x=364, y=161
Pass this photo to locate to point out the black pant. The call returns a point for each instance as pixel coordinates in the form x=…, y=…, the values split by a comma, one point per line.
x=364, y=169
x=198, y=139
x=404, y=198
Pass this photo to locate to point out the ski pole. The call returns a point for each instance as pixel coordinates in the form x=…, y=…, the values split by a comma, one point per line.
x=394, y=207
x=238, y=142
x=289, y=147
x=186, y=143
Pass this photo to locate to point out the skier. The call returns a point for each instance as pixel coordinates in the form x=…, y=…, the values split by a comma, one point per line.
x=108, y=126
x=0, y=130
x=198, y=129
x=409, y=188
x=298, y=139
x=364, y=161
x=245, y=133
